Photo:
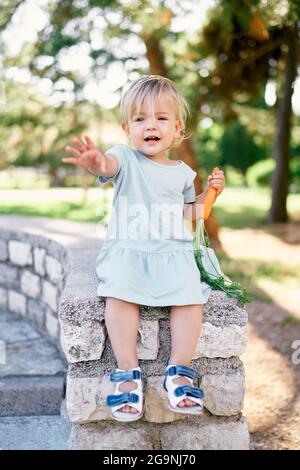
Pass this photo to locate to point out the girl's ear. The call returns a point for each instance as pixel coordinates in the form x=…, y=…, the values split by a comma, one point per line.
x=178, y=127
x=125, y=127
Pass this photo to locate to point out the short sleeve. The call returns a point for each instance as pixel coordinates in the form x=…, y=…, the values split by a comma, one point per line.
x=119, y=151
x=189, y=193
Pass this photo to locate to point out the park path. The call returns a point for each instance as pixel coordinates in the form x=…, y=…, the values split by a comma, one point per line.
x=272, y=399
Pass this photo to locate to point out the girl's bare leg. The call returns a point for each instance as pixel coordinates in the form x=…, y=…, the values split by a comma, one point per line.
x=122, y=322
x=185, y=325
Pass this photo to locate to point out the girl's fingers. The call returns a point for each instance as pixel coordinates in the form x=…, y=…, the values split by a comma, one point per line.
x=72, y=160
x=80, y=144
x=72, y=150
x=89, y=143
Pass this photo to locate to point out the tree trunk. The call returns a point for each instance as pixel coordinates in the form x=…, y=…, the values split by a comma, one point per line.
x=185, y=152
x=280, y=178
x=155, y=56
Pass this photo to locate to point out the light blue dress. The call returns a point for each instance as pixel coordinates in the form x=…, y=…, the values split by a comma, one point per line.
x=148, y=256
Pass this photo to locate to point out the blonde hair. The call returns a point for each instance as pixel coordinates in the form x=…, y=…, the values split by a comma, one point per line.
x=153, y=86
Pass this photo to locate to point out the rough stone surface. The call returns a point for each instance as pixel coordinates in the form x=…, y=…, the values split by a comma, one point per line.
x=156, y=403
x=50, y=295
x=148, y=342
x=3, y=297
x=33, y=433
x=30, y=284
x=210, y=434
x=17, y=302
x=3, y=251
x=31, y=357
x=36, y=313
x=52, y=325
x=9, y=276
x=53, y=269
x=2, y=352
x=14, y=330
x=82, y=343
x=219, y=310
x=154, y=368
x=216, y=341
x=39, y=256
x=86, y=399
x=204, y=432
x=224, y=394
x=31, y=395
x=153, y=334
x=20, y=253
x=111, y=436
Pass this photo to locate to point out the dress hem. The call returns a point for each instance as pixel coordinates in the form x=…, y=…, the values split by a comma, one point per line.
x=151, y=304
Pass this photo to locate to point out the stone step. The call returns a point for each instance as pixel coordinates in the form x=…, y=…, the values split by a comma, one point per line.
x=33, y=433
x=32, y=371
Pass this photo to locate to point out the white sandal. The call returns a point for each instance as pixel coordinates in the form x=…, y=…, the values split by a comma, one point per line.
x=134, y=398
x=177, y=393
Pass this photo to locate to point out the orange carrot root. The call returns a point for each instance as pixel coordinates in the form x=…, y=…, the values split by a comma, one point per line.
x=210, y=198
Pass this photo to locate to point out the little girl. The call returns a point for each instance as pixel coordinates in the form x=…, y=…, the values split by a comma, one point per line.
x=147, y=257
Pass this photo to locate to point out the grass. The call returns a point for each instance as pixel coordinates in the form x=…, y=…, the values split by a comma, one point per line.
x=290, y=320
x=248, y=207
x=252, y=273
x=61, y=203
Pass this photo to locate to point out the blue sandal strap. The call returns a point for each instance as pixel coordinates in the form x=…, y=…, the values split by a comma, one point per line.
x=182, y=370
x=189, y=391
x=125, y=375
x=126, y=397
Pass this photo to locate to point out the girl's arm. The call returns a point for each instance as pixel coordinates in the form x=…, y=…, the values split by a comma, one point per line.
x=195, y=210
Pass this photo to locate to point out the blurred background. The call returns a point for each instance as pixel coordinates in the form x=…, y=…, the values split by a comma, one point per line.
x=63, y=65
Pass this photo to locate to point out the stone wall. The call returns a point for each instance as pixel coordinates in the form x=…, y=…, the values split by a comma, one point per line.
x=32, y=279
x=90, y=358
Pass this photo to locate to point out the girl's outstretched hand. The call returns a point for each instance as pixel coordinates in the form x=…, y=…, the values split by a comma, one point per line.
x=216, y=181
x=87, y=156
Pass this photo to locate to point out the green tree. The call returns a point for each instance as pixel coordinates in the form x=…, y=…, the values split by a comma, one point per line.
x=238, y=148
x=252, y=41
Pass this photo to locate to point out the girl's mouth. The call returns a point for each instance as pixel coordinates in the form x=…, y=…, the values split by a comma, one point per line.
x=152, y=139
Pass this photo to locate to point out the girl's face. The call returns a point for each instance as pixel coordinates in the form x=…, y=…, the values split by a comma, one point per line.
x=162, y=126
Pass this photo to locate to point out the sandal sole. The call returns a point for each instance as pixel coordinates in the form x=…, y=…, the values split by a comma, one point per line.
x=126, y=420
x=184, y=412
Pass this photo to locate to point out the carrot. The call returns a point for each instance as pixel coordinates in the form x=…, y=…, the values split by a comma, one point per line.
x=210, y=198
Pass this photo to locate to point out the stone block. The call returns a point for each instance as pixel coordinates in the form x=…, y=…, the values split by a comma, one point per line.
x=50, y=295
x=30, y=284
x=148, y=342
x=39, y=256
x=53, y=269
x=17, y=302
x=20, y=253
x=217, y=341
x=82, y=343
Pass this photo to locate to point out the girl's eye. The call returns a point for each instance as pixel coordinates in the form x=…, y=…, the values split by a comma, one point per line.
x=163, y=118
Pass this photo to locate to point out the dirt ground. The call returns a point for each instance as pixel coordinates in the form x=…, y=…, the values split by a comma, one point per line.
x=272, y=399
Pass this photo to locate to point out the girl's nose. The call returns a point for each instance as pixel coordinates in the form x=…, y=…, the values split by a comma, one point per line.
x=150, y=123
